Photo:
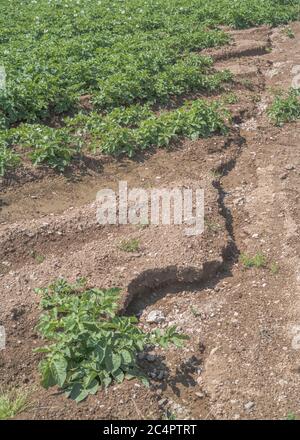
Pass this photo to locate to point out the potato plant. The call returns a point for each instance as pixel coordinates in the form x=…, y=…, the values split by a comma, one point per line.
x=88, y=344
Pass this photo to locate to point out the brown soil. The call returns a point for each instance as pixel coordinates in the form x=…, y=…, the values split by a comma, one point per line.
x=240, y=361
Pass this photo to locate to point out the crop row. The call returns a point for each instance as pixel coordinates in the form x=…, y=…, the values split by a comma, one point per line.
x=117, y=53
x=123, y=131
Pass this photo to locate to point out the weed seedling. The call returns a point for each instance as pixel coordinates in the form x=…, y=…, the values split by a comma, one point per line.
x=291, y=416
x=289, y=32
x=132, y=245
x=258, y=261
x=13, y=402
x=274, y=268
x=195, y=312
x=230, y=98
x=216, y=174
x=37, y=257
x=285, y=108
x=212, y=226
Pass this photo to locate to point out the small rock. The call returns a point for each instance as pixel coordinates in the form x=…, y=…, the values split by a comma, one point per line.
x=163, y=401
x=290, y=167
x=249, y=405
x=156, y=316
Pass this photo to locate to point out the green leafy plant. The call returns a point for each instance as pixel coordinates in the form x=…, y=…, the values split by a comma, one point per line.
x=289, y=32
x=230, y=98
x=8, y=159
x=212, y=226
x=274, y=267
x=13, y=402
x=257, y=261
x=55, y=54
x=193, y=120
x=152, y=57
x=195, y=312
x=132, y=245
x=90, y=346
x=54, y=147
x=37, y=257
x=285, y=107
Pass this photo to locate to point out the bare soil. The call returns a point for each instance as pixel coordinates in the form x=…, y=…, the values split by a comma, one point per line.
x=241, y=361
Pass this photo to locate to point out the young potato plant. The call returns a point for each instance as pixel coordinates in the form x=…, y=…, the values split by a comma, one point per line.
x=120, y=133
x=8, y=159
x=285, y=108
x=89, y=344
x=46, y=145
x=257, y=261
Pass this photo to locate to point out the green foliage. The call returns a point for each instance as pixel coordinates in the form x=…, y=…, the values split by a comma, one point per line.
x=8, y=159
x=90, y=346
x=190, y=74
x=285, y=107
x=195, y=312
x=110, y=135
x=257, y=261
x=289, y=32
x=132, y=245
x=54, y=147
x=274, y=268
x=37, y=257
x=230, y=98
x=13, y=402
x=120, y=54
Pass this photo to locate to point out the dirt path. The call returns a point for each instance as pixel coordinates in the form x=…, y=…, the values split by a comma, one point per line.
x=243, y=358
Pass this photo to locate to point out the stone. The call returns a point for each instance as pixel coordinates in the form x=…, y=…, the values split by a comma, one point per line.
x=249, y=405
x=156, y=316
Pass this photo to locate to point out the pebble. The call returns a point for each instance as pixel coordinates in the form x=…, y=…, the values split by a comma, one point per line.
x=249, y=405
x=156, y=316
x=290, y=167
x=163, y=401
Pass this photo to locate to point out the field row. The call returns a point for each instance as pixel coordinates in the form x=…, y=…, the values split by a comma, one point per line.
x=118, y=54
